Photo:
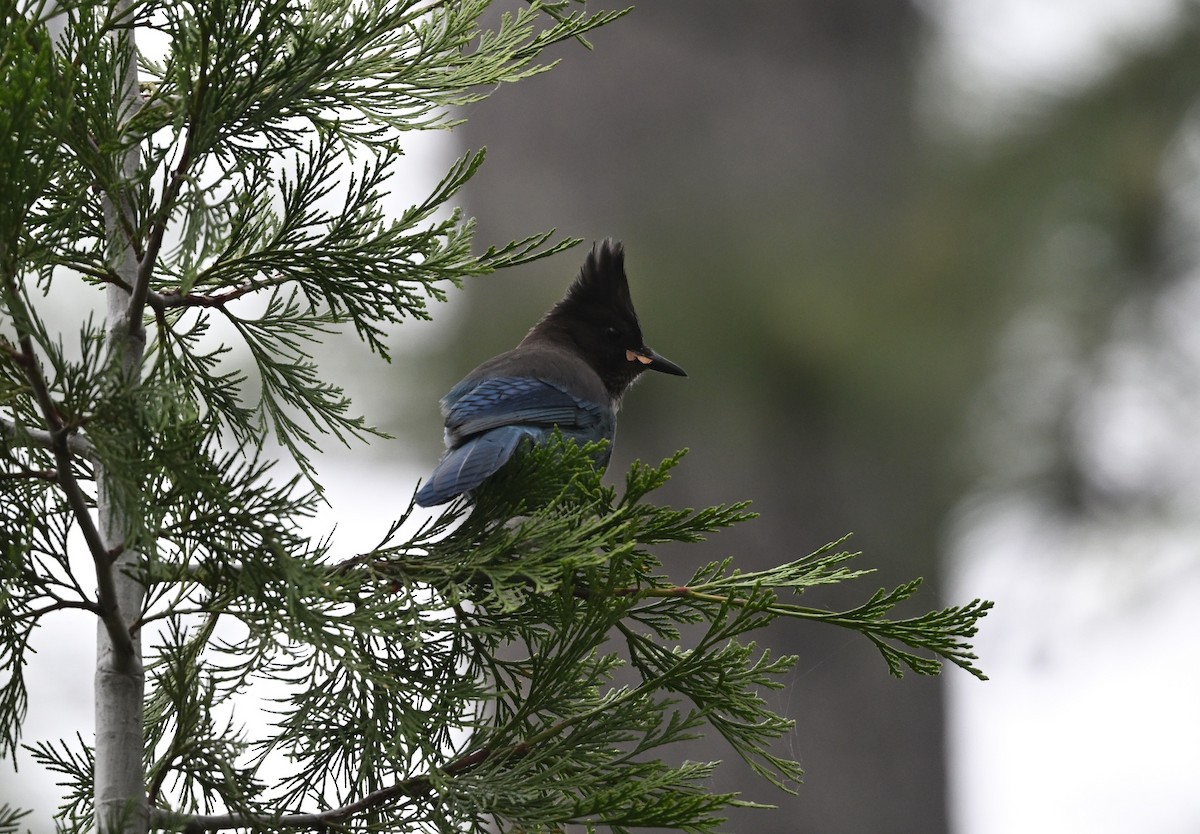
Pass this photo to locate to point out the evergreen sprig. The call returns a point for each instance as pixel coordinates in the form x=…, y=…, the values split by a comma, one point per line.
x=75, y=764
x=467, y=675
x=10, y=819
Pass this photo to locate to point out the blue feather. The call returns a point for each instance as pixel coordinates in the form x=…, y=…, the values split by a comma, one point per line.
x=486, y=420
x=466, y=467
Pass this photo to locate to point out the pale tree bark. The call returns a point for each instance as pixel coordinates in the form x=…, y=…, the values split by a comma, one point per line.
x=119, y=792
x=120, y=799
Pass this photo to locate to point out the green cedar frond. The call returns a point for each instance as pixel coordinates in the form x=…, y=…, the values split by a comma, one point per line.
x=75, y=764
x=10, y=818
x=499, y=636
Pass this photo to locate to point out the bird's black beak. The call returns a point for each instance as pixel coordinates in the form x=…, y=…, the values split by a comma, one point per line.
x=654, y=362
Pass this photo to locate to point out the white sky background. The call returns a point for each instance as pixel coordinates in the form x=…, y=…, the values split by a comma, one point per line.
x=1092, y=716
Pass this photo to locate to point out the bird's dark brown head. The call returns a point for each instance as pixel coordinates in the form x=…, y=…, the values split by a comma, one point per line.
x=596, y=319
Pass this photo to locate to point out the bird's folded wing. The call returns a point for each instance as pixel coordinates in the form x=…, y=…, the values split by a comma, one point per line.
x=526, y=401
x=466, y=467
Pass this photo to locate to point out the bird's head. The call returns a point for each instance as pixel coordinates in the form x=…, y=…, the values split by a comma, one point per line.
x=596, y=319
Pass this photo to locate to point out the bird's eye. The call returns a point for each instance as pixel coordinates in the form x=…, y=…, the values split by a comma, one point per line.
x=612, y=333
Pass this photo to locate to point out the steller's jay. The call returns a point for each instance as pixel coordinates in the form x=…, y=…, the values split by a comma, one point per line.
x=569, y=371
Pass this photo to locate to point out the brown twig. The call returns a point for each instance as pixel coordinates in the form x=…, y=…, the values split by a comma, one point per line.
x=416, y=786
x=58, y=441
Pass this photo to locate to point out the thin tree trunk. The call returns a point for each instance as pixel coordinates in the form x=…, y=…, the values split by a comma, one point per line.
x=120, y=798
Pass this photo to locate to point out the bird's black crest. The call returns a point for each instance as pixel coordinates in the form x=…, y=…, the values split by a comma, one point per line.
x=601, y=284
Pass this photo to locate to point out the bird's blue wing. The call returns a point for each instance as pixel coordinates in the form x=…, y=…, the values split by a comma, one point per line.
x=487, y=419
x=526, y=401
x=469, y=465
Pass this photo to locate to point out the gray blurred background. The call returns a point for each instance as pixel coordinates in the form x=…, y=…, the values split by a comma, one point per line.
x=931, y=267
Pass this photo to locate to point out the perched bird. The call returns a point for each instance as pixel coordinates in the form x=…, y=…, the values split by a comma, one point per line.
x=570, y=371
